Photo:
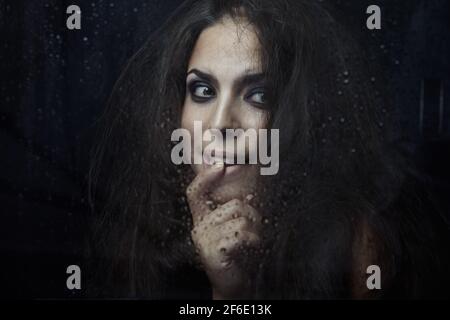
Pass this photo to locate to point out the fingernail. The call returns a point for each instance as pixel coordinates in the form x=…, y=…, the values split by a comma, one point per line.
x=249, y=197
x=218, y=165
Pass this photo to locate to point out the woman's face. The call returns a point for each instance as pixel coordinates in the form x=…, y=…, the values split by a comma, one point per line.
x=225, y=89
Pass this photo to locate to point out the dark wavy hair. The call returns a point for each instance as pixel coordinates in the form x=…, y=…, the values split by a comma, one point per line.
x=343, y=197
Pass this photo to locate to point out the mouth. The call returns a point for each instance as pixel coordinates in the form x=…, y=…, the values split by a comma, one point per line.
x=219, y=156
x=231, y=168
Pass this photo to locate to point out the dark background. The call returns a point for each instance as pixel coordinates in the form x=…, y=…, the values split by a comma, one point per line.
x=54, y=83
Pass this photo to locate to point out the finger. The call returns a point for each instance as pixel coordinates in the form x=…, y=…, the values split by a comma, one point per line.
x=223, y=213
x=230, y=227
x=229, y=211
x=233, y=243
x=205, y=234
x=197, y=191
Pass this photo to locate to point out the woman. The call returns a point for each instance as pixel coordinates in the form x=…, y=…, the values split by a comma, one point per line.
x=338, y=204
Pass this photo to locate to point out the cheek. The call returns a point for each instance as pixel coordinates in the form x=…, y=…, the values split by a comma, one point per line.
x=254, y=118
x=185, y=116
x=190, y=114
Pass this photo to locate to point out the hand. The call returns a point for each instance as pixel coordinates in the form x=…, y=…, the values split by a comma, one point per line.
x=224, y=236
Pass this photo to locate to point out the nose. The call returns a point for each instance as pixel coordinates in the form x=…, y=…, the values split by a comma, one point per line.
x=224, y=114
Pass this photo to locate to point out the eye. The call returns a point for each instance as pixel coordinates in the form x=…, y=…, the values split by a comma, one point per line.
x=201, y=91
x=257, y=97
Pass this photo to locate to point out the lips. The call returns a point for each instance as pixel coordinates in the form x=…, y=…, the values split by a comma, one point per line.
x=232, y=170
x=219, y=156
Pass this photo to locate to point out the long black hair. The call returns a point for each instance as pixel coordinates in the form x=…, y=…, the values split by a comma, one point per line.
x=339, y=173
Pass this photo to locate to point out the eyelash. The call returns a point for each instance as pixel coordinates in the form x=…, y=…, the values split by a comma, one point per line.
x=253, y=92
x=195, y=85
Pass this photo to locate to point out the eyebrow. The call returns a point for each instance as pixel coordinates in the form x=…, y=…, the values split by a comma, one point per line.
x=204, y=76
x=244, y=80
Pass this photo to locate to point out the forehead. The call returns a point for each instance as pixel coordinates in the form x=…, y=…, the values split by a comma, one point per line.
x=227, y=47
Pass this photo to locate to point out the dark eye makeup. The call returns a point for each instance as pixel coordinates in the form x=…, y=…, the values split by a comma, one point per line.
x=257, y=97
x=202, y=92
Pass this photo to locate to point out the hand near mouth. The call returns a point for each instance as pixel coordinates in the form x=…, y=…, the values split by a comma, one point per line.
x=224, y=236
